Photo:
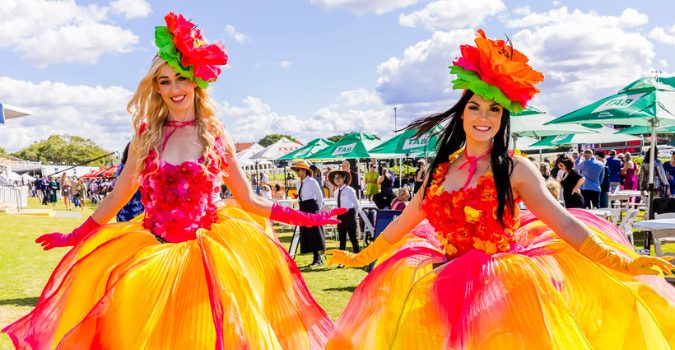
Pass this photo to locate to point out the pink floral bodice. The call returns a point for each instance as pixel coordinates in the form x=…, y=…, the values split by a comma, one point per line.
x=177, y=198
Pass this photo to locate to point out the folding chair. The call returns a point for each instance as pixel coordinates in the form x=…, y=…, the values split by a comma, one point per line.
x=663, y=235
x=627, y=225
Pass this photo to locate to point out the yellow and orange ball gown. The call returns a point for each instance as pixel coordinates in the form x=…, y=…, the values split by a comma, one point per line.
x=520, y=289
x=226, y=285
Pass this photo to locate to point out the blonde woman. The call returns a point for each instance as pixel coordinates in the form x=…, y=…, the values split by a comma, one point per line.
x=188, y=274
x=66, y=190
x=630, y=173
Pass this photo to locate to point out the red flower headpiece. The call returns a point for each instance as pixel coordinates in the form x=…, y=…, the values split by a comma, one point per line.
x=497, y=72
x=183, y=47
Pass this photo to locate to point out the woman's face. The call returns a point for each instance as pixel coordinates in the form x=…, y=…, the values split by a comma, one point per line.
x=339, y=180
x=481, y=119
x=405, y=196
x=177, y=91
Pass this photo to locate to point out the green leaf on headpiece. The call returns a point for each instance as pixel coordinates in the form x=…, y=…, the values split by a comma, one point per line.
x=169, y=53
x=468, y=79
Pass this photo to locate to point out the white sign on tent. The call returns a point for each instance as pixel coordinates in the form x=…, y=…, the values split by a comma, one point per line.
x=277, y=150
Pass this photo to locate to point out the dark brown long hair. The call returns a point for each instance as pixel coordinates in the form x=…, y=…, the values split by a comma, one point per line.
x=453, y=137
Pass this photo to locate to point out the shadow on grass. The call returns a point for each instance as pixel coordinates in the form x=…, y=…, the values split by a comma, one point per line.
x=349, y=289
x=30, y=301
x=308, y=269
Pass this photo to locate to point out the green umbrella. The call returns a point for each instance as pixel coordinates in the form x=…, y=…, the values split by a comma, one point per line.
x=527, y=144
x=533, y=122
x=647, y=102
x=604, y=134
x=311, y=148
x=352, y=146
x=405, y=144
x=639, y=129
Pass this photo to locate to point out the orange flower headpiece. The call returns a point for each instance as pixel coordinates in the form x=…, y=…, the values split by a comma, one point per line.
x=496, y=71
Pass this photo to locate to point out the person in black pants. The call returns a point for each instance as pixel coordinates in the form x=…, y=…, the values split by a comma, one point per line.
x=310, y=196
x=346, y=198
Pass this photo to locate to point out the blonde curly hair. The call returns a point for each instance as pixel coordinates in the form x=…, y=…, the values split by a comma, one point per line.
x=147, y=106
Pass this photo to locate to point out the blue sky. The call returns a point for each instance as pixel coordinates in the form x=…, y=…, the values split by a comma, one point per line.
x=312, y=68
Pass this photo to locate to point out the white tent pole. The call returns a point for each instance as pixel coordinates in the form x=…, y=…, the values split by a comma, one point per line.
x=651, y=154
x=650, y=195
x=400, y=173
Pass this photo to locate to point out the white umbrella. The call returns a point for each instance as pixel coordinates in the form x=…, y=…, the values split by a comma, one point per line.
x=277, y=150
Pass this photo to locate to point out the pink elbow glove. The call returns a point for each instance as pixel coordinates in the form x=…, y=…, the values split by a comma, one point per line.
x=293, y=217
x=57, y=239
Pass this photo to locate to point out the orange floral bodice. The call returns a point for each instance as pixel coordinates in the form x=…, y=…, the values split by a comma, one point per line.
x=467, y=219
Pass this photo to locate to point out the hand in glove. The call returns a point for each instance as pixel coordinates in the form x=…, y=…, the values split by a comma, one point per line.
x=595, y=249
x=365, y=257
x=293, y=217
x=57, y=239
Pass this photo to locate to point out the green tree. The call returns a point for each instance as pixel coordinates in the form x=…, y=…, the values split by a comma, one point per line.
x=64, y=149
x=336, y=138
x=272, y=138
x=2, y=150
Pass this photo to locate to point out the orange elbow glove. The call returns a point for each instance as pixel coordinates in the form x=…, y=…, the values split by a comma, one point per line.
x=595, y=249
x=365, y=257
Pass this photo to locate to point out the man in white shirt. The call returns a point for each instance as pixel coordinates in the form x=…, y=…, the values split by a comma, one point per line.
x=346, y=198
x=310, y=196
x=264, y=180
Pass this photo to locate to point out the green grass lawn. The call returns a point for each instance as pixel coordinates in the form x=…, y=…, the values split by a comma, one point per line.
x=25, y=267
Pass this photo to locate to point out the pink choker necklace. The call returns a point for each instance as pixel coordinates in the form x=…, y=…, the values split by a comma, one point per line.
x=472, y=164
x=174, y=124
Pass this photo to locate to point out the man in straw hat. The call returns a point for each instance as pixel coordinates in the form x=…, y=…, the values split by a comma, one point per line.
x=312, y=239
x=346, y=198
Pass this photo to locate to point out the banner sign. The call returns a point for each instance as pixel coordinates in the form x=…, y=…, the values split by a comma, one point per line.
x=344, y=149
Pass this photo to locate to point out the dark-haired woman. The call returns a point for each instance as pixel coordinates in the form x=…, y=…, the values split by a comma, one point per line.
x=571, y=182
x=475, y=274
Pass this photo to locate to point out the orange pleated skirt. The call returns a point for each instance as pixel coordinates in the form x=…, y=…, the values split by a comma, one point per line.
x=543, y=295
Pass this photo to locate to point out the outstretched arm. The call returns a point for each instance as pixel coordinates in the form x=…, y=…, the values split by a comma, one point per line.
x=238, y=184
x=125, y=188
x=236, y=181
x=412, y=215
x=529, y=185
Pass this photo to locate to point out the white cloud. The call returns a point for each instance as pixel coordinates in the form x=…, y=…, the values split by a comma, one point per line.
x=83, y=43
x=361, y=7
x=449, y=14
x=659, y=34
x=285, y=64
x=584, y=57
x=131, y=8
x=522, y=11
x=629, y=18
x=422, y=75
x=358, y=97
x=583, y=63
x=48, y=32
x=663, y=63
x=98, y=113
x=240, y=37
x=556, y=3
x=256, y=119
